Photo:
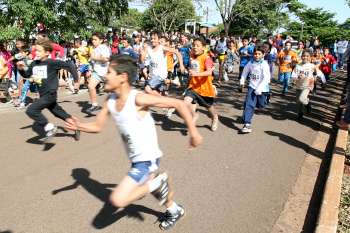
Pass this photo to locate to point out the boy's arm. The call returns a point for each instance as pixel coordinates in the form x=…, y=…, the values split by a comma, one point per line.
x=146, y=100
x=91, y=127
x=265, y=80
x=67, y=66
x=21, y=69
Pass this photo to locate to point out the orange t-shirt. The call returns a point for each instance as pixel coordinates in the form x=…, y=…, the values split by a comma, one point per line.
x=170, y=61
x=202, y=85
x=286, y=58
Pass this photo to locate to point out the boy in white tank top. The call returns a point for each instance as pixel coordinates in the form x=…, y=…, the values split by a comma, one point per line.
x=130, y=110
x=158, y=64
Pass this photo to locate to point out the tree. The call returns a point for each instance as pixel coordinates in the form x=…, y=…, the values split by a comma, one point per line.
x=133, y=19
x=248, y=16
x=315, y=22
x=167, y=15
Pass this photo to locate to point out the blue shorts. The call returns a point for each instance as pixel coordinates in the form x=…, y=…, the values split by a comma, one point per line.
x=84, y=68
x=140, y=171
x=156, y=83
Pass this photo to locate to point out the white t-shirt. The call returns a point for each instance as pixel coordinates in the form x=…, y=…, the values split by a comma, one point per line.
x=260, y=76
x=101, y=67
x=157, y=63
x=138, y=133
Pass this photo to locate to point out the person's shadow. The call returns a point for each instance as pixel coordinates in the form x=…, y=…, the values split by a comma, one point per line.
x=109, y=214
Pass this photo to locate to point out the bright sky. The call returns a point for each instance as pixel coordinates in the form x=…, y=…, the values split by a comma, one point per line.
x=339, y=7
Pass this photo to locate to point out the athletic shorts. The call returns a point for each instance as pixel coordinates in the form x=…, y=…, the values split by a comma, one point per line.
x=97, y=77
x=140, y=171
x=84, y=68
x=156, y=83
x=221, y=58
x=203, y=101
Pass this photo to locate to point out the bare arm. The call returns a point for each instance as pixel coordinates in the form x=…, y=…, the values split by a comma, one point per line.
x=146, y=100
x=91, y=127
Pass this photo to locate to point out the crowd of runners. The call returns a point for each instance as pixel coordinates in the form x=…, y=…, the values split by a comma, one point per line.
x=159, y=63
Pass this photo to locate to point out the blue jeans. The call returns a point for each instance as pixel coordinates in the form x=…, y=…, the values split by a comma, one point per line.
x=284, y=79
x=251, y=102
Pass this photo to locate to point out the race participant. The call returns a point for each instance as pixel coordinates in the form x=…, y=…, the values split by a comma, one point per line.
x=130, y=110
x=246, y=54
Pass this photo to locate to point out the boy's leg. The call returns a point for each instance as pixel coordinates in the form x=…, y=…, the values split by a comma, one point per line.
x=215, y=118
x=93, y=82
x=249, y=106
x=189, y=102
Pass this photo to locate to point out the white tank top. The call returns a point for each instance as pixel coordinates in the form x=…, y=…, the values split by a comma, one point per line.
x=138, y=133
x=158, y=63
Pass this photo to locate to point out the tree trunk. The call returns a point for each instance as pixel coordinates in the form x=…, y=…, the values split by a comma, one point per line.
x=227, y=25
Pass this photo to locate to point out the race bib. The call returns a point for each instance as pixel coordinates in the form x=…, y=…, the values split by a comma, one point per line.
x=40, y=72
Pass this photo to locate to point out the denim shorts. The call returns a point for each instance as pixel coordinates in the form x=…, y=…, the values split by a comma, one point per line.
x=140, y=171
x=156, y=83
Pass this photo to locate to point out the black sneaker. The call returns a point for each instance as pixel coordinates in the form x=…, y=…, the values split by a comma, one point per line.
x=93, y=109
x=50, y=134
x=77, y=135
x=161, y=193
x=169, y=220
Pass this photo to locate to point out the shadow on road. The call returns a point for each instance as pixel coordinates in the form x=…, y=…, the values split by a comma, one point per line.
x=296, y=143
x=108, y=214
x=38, y=140
x=5, y=231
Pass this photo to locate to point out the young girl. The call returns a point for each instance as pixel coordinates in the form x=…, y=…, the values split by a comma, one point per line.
x=259, y=79
x=328, y=64
x=130, y=110
x=304, y=75
x=200, y=89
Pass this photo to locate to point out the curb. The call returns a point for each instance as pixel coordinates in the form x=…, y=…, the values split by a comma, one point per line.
x=328, y=217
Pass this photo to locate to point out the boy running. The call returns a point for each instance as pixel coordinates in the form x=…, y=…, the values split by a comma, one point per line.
x=44, y=72
x=200, y=89
x=246, y=53
x=130, y=110
x=259, y=79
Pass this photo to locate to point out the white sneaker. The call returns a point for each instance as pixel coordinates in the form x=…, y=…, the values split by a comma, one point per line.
x=246, y=129
x=21, y=106
x=170, y=112
x=176, y=81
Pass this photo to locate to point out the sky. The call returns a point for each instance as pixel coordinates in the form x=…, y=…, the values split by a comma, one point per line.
x=339, y=7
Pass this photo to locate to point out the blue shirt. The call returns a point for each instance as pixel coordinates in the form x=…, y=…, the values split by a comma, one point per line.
x=131, y=52
x=185, y=53
x=246, y=54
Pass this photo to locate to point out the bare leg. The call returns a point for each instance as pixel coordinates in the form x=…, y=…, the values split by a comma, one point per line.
x=92, y=90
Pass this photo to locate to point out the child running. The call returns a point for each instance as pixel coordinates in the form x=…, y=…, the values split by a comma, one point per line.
x=304, y=75
x=44, y=72
x=258, y=89
x=130, y=110
x=200, y=89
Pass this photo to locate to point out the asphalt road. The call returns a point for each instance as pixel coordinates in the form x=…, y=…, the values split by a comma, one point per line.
x=232, y=183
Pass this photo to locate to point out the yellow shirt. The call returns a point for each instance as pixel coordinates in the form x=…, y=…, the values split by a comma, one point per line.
x=83, y=55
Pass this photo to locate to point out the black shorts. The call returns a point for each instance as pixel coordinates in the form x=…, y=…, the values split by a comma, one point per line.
x=203, y=101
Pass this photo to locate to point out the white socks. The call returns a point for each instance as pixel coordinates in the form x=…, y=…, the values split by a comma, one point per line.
x=49, y=126
x=173, y=208
x=156, y=182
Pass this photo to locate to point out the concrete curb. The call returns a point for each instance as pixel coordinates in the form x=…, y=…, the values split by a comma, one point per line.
x=328, y=217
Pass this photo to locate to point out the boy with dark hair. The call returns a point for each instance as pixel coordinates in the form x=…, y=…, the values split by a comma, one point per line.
x=130, y=110
x=44, y=72
x=246, y=54
x=259, y=79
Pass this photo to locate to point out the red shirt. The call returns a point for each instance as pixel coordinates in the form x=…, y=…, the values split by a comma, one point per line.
x=326, y=64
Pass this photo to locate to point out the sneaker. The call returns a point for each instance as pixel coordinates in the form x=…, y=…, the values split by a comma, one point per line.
x=170, y=112
x=21, y=106
x=77, y=135
x=300, y=116
x=176, y=82
x=246, y=129
x=169, y=220
x=50, y=134
x=161, y=193
x=93, y=108
x=214, y=124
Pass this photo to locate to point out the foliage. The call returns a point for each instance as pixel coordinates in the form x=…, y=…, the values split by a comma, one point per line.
x=68, y=17
x=317, y=22
x=133, y=19
x=168, y=15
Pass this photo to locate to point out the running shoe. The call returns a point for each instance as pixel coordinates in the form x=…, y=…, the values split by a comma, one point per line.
x=246, y=129
x=93, y=109
x=168, y=220
x=50, y=134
